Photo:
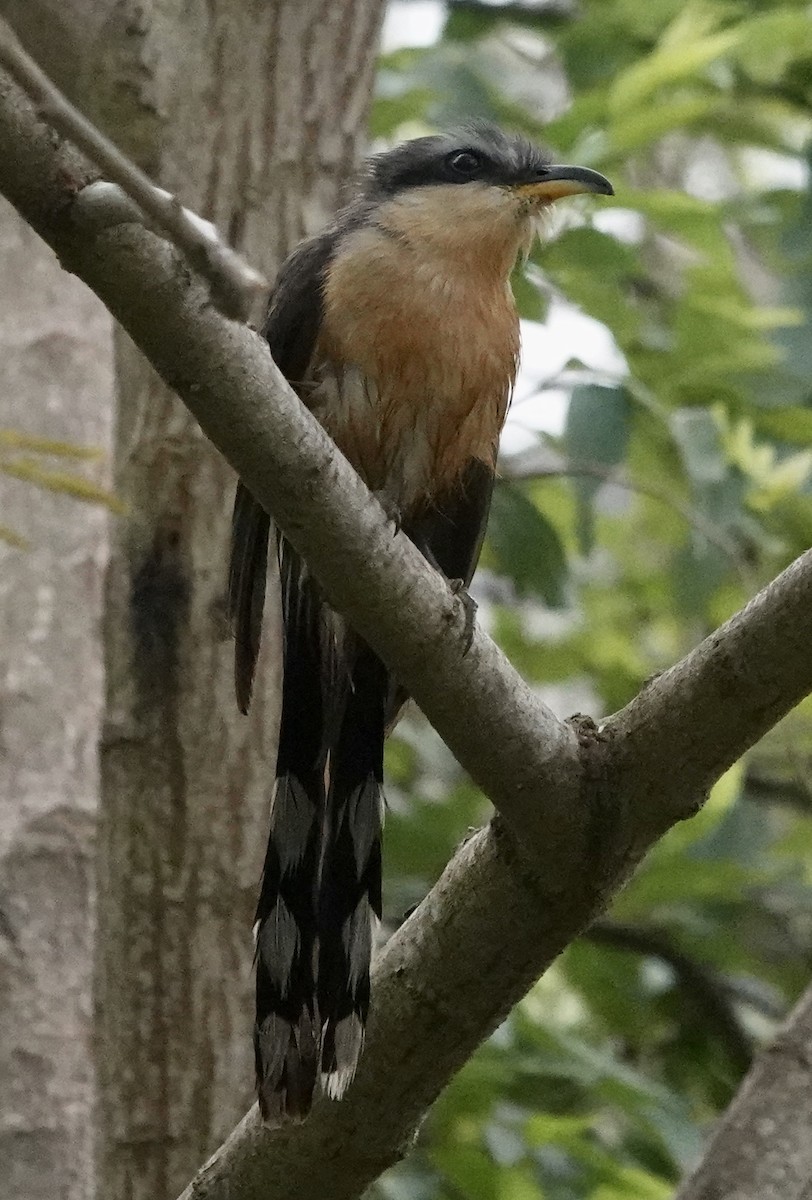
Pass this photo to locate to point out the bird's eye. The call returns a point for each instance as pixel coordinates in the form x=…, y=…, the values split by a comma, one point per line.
x=464, y=164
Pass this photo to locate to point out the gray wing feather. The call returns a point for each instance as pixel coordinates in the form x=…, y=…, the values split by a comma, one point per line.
x=291, y=329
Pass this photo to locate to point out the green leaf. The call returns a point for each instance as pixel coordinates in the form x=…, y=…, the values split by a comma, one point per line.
x=468, y=25
x=650, y=122
x=389, y=113
x=792, y=425
x=633, y=1184
x=596, y=434
x=598, y=425
x=469, y=1169
x=769, y=43
x=594, y=270
x=589, y=250
x=638, y=86
x=526, y=546
x=531, y=300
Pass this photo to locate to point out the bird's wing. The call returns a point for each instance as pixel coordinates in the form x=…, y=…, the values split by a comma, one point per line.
x=291, y=328
x=451, y=532
x=450, y=536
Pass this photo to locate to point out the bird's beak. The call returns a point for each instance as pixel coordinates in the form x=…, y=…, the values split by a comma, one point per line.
x=555, y=182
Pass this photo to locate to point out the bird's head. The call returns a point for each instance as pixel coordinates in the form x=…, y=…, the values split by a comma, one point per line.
x=474, y=187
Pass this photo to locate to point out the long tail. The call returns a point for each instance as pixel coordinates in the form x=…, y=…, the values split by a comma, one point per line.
x=350, y=885
x=321, y=886
x=286, y=1033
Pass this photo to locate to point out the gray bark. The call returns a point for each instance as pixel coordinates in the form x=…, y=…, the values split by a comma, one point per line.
x=256, y=119
x=578, y=805
x=762, y=1149
x=253, y=113
x=56, y=382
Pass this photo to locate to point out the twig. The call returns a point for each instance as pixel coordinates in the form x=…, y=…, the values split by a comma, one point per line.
x=552, y=11
x=583, y=804
x=702, y=986
x=764, y=789
x=235, y=284
x=691, y=515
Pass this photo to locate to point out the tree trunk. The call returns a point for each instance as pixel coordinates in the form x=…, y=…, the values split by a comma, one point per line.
x=253, y=116
x=55, y=382
x=252, y=111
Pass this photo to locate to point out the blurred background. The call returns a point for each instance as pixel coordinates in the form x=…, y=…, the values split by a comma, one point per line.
x=656, y=472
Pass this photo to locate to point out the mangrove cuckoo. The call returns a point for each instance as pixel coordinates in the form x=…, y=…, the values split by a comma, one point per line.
x=398, y=329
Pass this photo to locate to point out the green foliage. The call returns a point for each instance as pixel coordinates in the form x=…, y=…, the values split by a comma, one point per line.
x=680, y=486
x=597, y=434
x=525, y=546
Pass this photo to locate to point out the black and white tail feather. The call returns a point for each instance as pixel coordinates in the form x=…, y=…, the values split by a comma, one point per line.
x=321, y=890
x=320, y=900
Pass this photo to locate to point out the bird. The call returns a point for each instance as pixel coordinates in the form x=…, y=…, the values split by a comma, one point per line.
x=398, y=329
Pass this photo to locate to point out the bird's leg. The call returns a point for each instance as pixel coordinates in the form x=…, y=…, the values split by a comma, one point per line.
x=391, y=508
x=460, y=590
x=470, y=606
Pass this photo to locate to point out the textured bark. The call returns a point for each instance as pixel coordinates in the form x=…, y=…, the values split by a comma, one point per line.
x=55, y=381
x=584, y=802
x=252, y=113
x=762, y=1149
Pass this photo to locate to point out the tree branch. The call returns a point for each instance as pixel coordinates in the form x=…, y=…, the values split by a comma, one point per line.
x=224, y=373
x=581, y=805
x=692, y=722
x=762, y=1149
x=446, y=979
x=235, y=284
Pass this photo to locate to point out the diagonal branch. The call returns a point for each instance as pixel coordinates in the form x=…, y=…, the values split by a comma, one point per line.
x=762, y=1149
x=443, y=982
x=692, y=722
x=581, y=805
x=223, y=371
x=235, y=283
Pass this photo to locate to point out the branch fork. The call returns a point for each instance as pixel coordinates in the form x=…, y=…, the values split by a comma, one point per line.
x=578, y=805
